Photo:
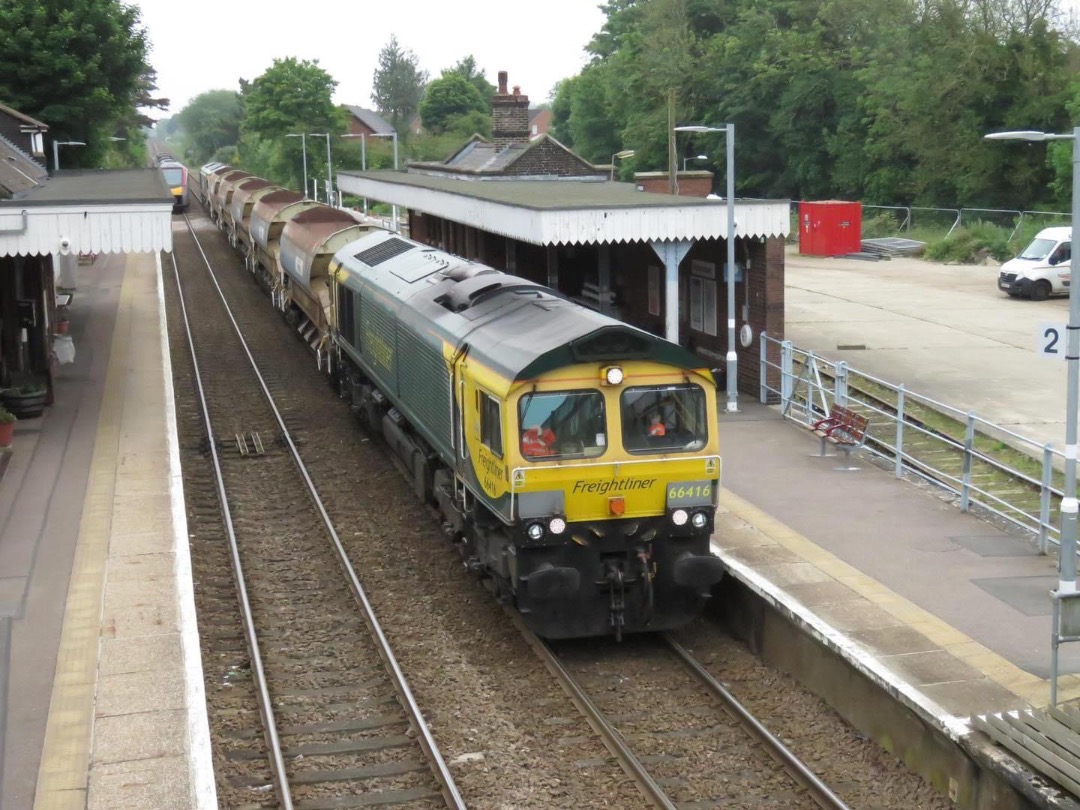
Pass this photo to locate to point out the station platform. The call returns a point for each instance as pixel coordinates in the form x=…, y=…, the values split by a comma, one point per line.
x=946, y=607
x=101, y=703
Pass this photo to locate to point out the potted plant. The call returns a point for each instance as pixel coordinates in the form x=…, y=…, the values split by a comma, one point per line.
x=7, y=426
x=26, y=401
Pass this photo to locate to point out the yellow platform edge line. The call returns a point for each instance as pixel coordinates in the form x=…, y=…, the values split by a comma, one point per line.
x=65, y=757
x=995, y=667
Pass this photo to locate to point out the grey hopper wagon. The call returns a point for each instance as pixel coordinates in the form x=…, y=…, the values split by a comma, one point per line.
x=243, y=201
x=308, y=243
x=268, y=218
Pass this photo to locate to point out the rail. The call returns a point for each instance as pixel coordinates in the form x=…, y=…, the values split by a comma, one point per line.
x=427, y=742
x=980, y=462
x=611, y=738
x=807, y=779
x=277, y=760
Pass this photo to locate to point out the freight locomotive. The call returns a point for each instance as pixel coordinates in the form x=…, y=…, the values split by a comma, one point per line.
x=574, y=459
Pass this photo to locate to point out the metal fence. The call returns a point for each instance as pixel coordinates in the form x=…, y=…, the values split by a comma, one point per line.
x=912, y=216
x=989, y=466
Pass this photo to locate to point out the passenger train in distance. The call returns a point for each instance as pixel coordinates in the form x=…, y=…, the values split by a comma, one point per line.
x=574, y=459
x=176, y=177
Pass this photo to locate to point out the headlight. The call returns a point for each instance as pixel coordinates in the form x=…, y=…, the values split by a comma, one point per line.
x=613, y=375
x=679, y=517
x=556, y=526
x=535, y=531
x=699, y=520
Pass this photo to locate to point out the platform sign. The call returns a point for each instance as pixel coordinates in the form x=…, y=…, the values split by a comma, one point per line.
x=1070, y=616
x=1050, y=340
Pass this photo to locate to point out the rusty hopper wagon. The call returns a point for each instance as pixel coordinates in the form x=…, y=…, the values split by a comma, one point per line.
x=243, y=201
x=222, y=196
x=268, y=218
x=308, y=242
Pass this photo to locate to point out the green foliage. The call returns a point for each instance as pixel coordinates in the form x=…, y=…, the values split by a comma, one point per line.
x=879, y=225
x=6, y=416
x=471, y=123
x=290, y=96
x=79, y=66
x=883, y=102
x=970, y=245
x=468, y=70
x=448, y=98
x=212, y=121
x=398, y=85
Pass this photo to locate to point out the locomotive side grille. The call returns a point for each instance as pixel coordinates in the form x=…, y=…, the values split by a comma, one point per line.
x=384, y=251
x=424, y=386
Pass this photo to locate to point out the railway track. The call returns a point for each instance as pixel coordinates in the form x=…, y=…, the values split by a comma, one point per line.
x=320, y=714
x=667, y=722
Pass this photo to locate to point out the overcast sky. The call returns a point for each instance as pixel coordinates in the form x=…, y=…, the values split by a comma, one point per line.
x=199, y=45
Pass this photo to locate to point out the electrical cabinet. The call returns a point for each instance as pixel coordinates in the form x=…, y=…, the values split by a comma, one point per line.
x=830, y=228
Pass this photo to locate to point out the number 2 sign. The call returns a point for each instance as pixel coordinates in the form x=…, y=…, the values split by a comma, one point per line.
x=1051, y=341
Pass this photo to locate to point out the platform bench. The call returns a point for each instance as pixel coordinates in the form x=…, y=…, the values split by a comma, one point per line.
x=843, y=428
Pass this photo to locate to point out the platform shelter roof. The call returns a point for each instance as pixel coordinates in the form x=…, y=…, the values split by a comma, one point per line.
x=91, y=211
x=546, y=211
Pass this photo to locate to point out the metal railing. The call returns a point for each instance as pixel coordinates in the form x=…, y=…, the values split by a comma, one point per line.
x=981, y=463
x=907, y=216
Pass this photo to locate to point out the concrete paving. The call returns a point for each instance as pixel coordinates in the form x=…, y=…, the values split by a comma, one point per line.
x=42, y=501
x=944, y=331
x=104, y=692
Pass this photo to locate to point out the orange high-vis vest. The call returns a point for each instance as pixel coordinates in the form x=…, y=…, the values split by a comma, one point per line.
x=536, y=443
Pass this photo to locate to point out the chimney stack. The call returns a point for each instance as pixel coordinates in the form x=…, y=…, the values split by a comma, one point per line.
x=509, y=115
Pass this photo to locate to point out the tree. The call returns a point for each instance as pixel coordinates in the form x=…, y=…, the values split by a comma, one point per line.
x=468, y=70
x=291, y=96
x=78, y=66
x=211, y=120
x=448, y=98
x=290, y=93
x=398, y=85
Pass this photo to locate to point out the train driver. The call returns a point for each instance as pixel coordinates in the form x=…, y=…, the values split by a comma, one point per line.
x=537, y=442
x=656, y=426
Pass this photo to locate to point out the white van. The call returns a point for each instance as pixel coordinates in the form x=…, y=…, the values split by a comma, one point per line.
x=1042, y=269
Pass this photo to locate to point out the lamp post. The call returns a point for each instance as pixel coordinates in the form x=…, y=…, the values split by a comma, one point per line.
x=623, y=155
x=329, y=174
x=303, y=147
x=56, y=151
x=393, y=135
x=732, y=358
x=695, y=157
x=363, y=156
x=1067, y=555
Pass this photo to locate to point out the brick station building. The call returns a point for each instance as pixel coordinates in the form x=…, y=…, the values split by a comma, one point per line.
x=656, y=260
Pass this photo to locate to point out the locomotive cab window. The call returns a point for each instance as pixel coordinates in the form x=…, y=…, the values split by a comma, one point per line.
x=566, y=424
x=664, y=419
x=491, y=424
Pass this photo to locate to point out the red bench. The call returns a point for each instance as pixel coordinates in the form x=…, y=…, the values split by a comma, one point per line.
x=843, y=428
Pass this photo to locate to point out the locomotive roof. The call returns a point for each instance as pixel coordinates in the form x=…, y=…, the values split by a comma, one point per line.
x=518, y=327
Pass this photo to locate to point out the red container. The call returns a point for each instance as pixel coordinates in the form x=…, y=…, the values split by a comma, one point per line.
x=830, y=228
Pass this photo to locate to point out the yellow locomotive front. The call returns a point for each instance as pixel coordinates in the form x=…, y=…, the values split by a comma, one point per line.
x=613, y=482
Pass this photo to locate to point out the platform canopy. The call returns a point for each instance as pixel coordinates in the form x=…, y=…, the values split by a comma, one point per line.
x=568, y=211
x=93, y=211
